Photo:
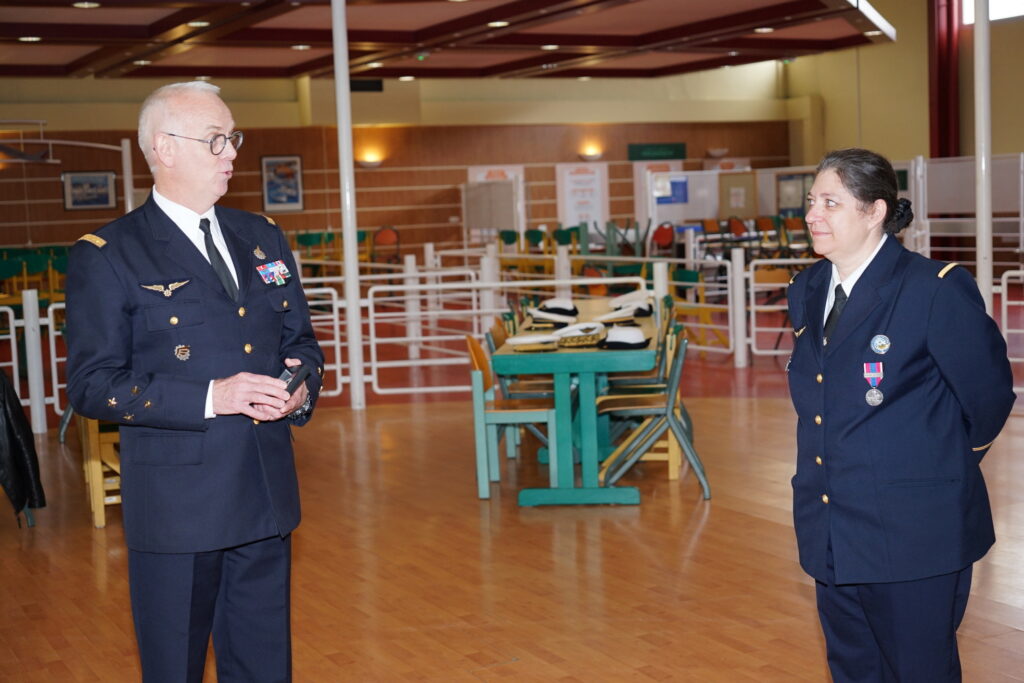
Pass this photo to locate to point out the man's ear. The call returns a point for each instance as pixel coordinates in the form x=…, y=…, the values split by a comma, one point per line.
x=164, y=150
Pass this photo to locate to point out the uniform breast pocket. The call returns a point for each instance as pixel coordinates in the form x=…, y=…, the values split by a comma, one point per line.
x=173, y=316
x=282, y=299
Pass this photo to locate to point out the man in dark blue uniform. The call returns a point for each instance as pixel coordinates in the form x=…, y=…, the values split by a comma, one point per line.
x=901, y=383
x=181, y=316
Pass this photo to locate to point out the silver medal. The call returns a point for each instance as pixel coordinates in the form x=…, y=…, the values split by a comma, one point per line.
x=874, y=397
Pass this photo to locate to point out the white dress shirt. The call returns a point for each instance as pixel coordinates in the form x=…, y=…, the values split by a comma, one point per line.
x=849, y=282
x=187, y=221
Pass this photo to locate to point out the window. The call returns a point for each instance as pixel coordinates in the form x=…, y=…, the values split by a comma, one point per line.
x=997, y=9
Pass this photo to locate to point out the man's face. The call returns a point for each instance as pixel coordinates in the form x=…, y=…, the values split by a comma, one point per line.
x=201, y=177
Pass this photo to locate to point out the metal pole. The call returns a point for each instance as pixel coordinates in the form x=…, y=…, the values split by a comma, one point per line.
x=983, y=150
x=414, y=325
x=490, y=274
x=563, y=270
x=128, y=175
x=34, y=361
x=737, y=304
x=660, y=280
x=347, y=185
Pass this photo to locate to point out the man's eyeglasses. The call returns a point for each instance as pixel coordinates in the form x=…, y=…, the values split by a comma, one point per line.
x=218, y=142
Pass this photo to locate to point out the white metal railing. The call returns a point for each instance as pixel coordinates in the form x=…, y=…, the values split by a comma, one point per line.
x=9, y=336
x=443, y=346
x=1013, y=335
x=56, y=360
x=762, y=281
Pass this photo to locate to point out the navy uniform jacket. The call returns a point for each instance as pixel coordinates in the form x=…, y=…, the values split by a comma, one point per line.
x=905, y=495
x=148, y=326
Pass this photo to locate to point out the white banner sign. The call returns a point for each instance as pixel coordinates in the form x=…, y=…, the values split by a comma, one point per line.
x=582, y=193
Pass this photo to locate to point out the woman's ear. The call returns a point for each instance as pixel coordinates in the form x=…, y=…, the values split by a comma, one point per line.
x=878, y=209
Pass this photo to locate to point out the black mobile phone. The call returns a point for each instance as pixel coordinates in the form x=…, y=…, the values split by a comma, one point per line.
x=295, y=377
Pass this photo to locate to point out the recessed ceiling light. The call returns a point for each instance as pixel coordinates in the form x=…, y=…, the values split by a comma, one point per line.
x=375, y=65
x=497, y=24
x=733, y=53
x=30, y=39
x=142, y=62
x=85, y=5
x=549, y=47
x=407, y=78
x=198, y=24
x=872, y=34
x=203, y=78
x=764, y=29
x=583, y=78
x=300, y=48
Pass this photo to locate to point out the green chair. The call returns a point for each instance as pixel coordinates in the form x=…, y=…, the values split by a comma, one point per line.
x=491, y=414
x=661, y=413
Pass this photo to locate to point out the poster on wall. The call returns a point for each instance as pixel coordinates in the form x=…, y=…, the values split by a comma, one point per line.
x=282, y=183
x=89, y=190
x=582, y=193
x=641, y=179
x=517, y=174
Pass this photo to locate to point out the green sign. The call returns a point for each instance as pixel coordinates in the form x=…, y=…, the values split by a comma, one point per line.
x=657, y=151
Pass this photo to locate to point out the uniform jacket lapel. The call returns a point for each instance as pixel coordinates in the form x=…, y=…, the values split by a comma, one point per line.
x=871, y=290
x=241, y=253
x=178, y=248
x=814, y=306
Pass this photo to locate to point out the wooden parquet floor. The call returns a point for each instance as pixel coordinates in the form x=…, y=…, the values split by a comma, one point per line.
x=401, y=574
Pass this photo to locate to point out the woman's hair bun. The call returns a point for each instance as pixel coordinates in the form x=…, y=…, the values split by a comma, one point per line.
x=901, y=216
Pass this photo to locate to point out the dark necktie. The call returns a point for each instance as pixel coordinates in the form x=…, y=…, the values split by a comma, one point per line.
x=833, y=316
x=217, y=261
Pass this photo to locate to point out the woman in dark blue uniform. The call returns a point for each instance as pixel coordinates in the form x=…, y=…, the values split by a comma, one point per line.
x=901, y=383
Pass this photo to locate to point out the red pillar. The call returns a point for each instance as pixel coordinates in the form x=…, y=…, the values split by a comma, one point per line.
x=944, y=77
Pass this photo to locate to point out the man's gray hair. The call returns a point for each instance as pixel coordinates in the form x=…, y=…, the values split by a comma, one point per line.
x=156, y=104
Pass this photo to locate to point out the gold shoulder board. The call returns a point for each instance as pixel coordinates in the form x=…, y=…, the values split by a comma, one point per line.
x=94, y=240
x=269, y=219
x=800, y=331
x=949, y=267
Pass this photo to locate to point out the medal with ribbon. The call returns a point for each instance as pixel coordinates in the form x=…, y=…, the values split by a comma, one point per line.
x=873, y=374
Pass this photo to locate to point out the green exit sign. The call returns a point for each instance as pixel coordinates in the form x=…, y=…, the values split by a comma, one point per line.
x=657, y=151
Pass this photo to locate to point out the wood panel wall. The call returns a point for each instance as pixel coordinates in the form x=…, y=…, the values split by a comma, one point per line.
x=416, y=189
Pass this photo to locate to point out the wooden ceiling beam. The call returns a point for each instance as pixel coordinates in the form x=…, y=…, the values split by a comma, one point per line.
x=223, y=19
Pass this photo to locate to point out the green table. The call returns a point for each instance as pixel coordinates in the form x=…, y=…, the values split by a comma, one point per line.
x=589, y=367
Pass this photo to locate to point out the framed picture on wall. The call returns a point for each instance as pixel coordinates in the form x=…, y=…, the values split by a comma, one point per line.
x=282, y=183
x=89, y=190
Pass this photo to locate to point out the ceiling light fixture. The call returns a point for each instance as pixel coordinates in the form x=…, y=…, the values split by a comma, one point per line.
x=301, y=48
x=203, y=78
x=549, y=47
x=497, y=24
x=406, y=79
x=583, y=78
x=733, y=53
x=764, y=29
x=375, y=65
x=29, y=39
x=198, y=24
x=85, y=5
x=142, y=62
x=872, y=34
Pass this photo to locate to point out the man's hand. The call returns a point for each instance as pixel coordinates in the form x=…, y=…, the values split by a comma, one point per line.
x=299, y=397
x=258, y=396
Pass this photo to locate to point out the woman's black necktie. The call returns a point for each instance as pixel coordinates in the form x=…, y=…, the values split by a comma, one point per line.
x=833, y=316
x=221, y=268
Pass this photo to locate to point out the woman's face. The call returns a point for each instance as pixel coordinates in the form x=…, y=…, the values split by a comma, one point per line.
x=840, y=231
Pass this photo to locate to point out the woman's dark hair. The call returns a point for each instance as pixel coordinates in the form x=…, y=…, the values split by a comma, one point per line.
x=869, y=177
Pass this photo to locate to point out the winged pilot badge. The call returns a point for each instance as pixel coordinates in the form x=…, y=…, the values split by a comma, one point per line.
x=168, y=290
